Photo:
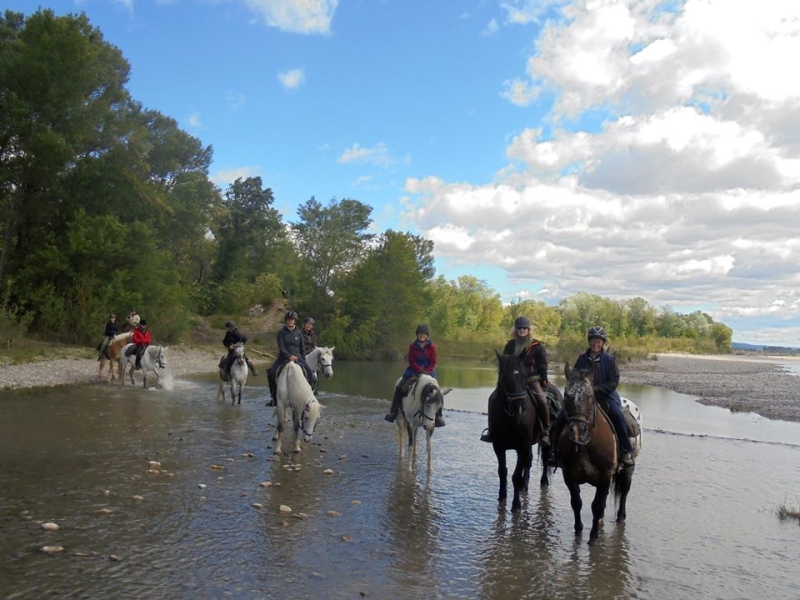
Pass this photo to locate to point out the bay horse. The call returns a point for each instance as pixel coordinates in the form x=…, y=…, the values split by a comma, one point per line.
x=237, y=378
x=295, y=395
x=588, y=452
x=419, y=407
x=111, y=354
x=154, y=358
x=320, y=360
x=513, y=425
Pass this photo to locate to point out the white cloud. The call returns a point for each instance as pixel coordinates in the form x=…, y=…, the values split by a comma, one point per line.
x=491, y=28
x=682, y=186
x=194, y=120
x=377, y=155
x=225, y=177
x=298, y=16
x=235, y=99
x=291, y=79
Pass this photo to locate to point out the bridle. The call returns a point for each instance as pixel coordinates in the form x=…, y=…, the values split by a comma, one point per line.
x=590, y=421
x=306, y=410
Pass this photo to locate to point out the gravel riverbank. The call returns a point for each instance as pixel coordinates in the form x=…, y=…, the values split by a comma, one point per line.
x=740, y=383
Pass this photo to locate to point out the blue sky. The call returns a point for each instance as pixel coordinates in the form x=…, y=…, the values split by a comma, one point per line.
x=618, y=147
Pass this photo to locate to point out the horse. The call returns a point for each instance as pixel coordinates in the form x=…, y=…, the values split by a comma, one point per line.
x=238, y=376
x=295, y=394
x=588, y=453
x=420, y=405
x=111, y=354
x=514, y=425
x=320, y=360
x=153, y=359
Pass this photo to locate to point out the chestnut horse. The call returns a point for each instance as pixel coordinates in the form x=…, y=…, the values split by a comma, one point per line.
x=513, y=425
x=587, y=452
x=111, y=354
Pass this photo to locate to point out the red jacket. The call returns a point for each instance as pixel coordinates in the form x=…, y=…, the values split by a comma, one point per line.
x=141, y=337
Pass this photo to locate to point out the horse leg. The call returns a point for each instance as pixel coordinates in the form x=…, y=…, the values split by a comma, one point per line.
x=622, y=485
x=598, y=510
x=280, y=413
x=502, y=472
x=296, y=423
x=576, y=503
x=429, y=448
x=401, y=437
x=518, y=478
x=412, y=457
x=544, y=480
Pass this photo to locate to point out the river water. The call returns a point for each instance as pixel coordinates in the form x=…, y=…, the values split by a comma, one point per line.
x=207, y=521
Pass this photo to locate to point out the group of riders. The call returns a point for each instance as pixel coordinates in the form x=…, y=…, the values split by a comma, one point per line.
x=139, y=336
x=295, y=343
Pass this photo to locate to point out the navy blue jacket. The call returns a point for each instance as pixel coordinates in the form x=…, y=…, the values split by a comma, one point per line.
x=606, y=375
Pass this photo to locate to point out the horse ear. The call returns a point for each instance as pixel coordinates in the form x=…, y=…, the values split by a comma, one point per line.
x=497, y=353
x=446, y=391
x=322, y=406
x=567, y=370
x=333, y=348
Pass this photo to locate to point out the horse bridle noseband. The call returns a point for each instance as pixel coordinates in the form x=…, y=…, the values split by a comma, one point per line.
x=306, y=409
x=590, y=422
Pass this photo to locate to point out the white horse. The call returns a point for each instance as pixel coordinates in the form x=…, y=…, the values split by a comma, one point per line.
x=295, y=394
x=419, y=408
x=320, y=360
x=153, y=359
x=238, y=376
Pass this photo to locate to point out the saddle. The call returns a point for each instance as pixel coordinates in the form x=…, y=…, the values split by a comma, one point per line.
x=409, y=386
x=306, y=373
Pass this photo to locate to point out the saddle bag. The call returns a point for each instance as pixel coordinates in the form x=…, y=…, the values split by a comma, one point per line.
x=634, y=429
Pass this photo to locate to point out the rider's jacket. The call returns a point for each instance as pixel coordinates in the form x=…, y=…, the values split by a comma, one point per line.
x=421, y=359
x=141, y=336
x=112, y=329
x=606, y=375
x=234, y=336
x=290, y=342
x=534, y=356
x=310, y=339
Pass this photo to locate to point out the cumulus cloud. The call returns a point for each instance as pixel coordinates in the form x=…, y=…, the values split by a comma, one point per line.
x=194, y=120
x=298, y=16
x=666, y=168
x=377, y=155
x=291, y=79
x=225, y=177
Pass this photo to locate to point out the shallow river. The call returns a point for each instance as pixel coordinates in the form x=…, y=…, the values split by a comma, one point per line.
x=702, y=519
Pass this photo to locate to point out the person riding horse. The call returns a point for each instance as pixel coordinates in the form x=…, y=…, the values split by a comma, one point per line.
x=232, y=337
x=309, y=335
x=291, y=348
x=605, y=381
x=141, y=339
x=112, y=329
x=534, y=357
x=421, y=359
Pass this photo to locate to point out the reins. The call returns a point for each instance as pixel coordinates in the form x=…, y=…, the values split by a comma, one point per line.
x=590, y=422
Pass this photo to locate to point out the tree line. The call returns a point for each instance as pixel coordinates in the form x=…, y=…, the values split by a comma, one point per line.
x=107, y=205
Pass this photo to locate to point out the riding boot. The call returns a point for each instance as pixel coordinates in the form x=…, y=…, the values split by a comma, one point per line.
x=486, y=436
x=252, y=367
x=552, y=458
x=544, y=413
x=439, y=421
x=396, y=401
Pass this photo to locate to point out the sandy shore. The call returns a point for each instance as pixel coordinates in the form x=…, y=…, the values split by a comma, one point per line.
x=739, y=383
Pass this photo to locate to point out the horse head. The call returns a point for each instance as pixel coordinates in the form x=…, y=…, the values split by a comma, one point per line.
x=161, y=357
x=325, y=361
x=238, y=353
x=311, y=414
x=580, y=406
x=512, y=382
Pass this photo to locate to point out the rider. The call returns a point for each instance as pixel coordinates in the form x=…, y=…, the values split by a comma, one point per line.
x=309, y=335
x=421, y=359
x=141, y=340
x=112, y=329
x=232, y=337
x=534, y=357
x=291, y=347
x=606, y=378
x=132, y=321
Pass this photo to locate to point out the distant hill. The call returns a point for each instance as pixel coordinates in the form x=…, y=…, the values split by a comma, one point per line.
x=742, y=347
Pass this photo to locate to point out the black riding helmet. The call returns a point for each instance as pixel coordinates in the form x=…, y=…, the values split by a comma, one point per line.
x=522, y=322
x=143, y=322
x=597, y=332
x=422, y=328
x=309, y=320
x=230, y=325
x=290, y=314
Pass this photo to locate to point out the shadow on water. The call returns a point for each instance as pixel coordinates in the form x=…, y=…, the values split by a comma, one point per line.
x=207, y=522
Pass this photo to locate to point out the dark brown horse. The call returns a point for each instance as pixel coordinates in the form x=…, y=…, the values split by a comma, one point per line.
x=587, y=452
x=513, y=425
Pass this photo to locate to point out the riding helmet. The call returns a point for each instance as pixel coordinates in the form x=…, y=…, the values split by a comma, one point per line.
x=112, y=316
x=230, y=325
x=142, y=322
x=310, y=320
x=290, y=314
x=422, y=328
x=522, y=322
x=597, y=332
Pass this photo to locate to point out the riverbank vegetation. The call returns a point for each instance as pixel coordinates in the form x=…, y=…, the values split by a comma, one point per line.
x=107, y=205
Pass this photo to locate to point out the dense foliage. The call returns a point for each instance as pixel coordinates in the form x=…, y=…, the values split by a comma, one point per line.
x=106, y=206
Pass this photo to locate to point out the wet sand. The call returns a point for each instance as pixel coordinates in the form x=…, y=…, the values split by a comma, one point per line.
x=739, y=383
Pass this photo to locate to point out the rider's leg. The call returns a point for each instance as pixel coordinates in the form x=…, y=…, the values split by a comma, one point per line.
x=397, y=399
x=229, y=358
x=615, y=414
x=558, y=427
x=543, y=411
x=273, y=385
x=139, y=352
x=251, y=366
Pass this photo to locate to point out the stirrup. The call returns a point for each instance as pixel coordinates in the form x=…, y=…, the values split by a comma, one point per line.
x=627, y=459
x=544, y=440
x=486, y=436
